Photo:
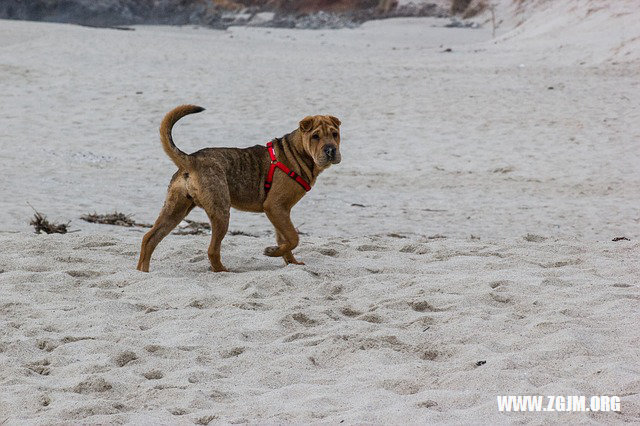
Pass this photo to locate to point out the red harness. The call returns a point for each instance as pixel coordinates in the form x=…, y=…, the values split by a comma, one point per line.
x=272, y=169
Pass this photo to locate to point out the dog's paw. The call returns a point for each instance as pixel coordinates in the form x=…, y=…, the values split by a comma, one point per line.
x=294, y=262
x=220, y=268
x=272, y=251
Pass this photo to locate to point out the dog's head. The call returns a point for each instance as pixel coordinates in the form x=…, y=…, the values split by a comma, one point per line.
x=321, y=139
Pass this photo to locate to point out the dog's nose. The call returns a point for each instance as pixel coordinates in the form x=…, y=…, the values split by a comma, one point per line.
x=330, y=151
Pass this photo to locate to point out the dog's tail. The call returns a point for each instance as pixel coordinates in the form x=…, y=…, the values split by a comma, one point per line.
x=180, y=158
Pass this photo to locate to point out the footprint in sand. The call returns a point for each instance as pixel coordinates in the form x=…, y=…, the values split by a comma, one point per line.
x=153, y=375
x=304, y=319
x=93, y=244
x=499, y=298
x=218, y=395
x=424, y=306
x=533, y=238
x=427, y=404
x=163, y=351
x=146, y=308
x=415, y=248
x=71, y=259
x=328, y=252
x=11, y=308
x=297, y=336
x=573, y=313
x=336, y=289
x=73, y=339
x=201, y=303
x=85, y=274
x=230, y=353
x=382, y=342
x=45, y=400
x=349, y=312
x=124, y=358
x=373, y=318
x=198, y=258
x=92, y=385
x=37, y=268
x=556, y=282
x=429, y=355
x=205, y=420
x=561, y=263
x=198, y=304
x=251, y=306
x=501, y=284
x=401, y=387
x=40, y=367
x=424, y=322
x=46, y=345
x=371, y=247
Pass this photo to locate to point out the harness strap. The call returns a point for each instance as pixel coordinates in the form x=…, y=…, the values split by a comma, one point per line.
x=277, y=164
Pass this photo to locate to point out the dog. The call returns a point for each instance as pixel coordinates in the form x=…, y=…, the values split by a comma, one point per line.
x=269, y=179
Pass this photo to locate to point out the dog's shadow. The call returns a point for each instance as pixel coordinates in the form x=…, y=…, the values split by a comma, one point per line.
x=255, y=268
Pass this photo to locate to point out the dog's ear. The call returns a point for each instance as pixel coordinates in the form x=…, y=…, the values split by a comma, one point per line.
x=334, y=120
x=306, y=124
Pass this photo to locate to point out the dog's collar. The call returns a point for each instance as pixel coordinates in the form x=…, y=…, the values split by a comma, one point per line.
x=272, y=169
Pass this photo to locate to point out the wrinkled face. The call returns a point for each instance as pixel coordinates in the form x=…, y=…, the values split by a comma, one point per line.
x=321, y=139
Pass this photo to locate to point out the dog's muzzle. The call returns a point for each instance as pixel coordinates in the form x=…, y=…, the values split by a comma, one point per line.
x=332, y=154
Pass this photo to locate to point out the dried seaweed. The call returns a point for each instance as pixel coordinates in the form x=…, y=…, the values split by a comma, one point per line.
x=246, y=234
x=120, y=219
x=41, y=224
x=115, y=218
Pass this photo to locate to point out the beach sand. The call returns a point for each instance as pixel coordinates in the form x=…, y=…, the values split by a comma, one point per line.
x=462, y=249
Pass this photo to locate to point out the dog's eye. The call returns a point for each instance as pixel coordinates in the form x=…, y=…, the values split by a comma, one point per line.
x=335, y=135
x=315, y=137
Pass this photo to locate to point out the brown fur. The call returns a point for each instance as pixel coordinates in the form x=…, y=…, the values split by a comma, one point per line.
x=217, y=179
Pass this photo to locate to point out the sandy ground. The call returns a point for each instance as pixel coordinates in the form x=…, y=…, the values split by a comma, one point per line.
x=470, y=220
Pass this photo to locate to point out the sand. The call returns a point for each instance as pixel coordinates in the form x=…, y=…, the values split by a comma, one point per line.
x=471, y=220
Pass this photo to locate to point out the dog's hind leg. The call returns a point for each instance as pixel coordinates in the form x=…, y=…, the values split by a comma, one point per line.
x=216, y=202
x=219, y=226
x=176, y=207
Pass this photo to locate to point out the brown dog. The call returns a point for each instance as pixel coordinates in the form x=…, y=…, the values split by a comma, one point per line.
x=217, y=179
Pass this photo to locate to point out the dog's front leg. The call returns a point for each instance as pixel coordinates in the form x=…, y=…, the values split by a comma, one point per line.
x=288, y=256
x=286, y=234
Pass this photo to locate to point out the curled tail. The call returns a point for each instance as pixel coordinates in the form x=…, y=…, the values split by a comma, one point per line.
x=180, y=158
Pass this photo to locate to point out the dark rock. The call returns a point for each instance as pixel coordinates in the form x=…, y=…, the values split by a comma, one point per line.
x=306, y=14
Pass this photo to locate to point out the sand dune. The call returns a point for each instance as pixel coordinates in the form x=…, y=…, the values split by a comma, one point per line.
x=462, y=249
